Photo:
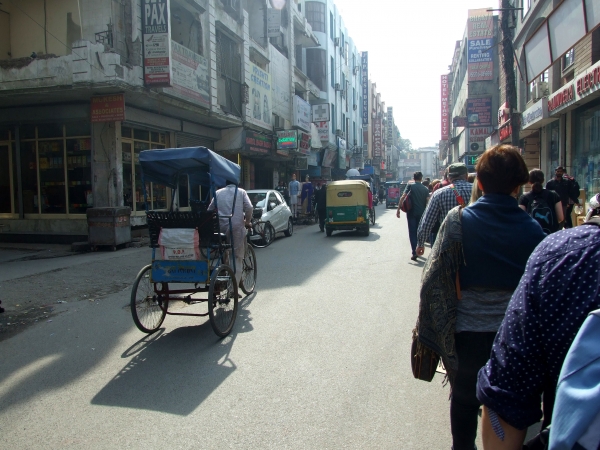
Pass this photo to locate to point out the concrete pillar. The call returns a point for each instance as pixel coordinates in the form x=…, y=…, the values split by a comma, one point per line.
x=107, y=164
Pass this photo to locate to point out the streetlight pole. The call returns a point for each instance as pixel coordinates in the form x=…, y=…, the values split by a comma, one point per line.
x=508, y=66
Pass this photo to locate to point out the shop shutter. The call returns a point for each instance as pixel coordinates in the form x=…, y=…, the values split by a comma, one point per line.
x=190, y=140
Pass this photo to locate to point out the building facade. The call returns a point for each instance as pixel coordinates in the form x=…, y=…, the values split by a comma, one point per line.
x=559, y=96
x=470, y=91
x=85, y=86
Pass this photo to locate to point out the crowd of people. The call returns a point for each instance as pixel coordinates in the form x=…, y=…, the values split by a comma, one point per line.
x=506, y=288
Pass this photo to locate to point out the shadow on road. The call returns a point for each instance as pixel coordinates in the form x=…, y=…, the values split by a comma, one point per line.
x=189, y=360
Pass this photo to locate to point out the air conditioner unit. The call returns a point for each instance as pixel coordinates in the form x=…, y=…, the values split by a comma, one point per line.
x=337, y=86
x=540, y=90
x=355, y=107
x=278, y=122
x=339, y=133
x=336, y=41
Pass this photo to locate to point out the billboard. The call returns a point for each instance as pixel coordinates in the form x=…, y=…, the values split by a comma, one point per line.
x=365, y=87
x=302, y=113
x=377, y=138
x=479, y=112
x=257, y=143
x=287, y=140
x=389, y=129
x=480, y=45
x=108, y=108
x=156, y=38
x=280, y=84
x=445, y=119
x=190, y=76
x=260, y=97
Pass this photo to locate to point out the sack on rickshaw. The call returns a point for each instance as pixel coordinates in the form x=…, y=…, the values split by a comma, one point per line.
x=179, y=244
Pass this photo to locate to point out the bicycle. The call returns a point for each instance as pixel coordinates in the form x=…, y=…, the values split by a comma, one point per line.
x=249, y=270
x=260, y=234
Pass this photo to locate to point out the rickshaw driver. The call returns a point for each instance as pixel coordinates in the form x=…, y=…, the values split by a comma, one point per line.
x=240, y=219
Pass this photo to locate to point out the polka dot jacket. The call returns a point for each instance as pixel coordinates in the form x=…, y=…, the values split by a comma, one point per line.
x=560, y=286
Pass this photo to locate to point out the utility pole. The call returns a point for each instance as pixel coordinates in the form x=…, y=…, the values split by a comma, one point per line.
x=508, y=66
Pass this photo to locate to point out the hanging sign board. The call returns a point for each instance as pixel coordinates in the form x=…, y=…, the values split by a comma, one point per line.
x=108, y=108
x=287, y=140
x=156, y=38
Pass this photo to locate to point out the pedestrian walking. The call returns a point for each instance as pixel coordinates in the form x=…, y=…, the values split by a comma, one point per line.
x=294, y=192
x=467, y=282
x=442, y=201
x=568, y=190
x=381, y=194
x=557, y=291
x=321, y=205
x=418, y=198
x=543, y=205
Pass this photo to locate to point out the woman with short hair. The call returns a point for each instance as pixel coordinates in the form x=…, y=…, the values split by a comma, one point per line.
x=475, y=265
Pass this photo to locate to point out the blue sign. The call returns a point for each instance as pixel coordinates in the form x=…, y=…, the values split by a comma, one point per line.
x=179, y=271
x=364, y=65
x=368, y=170
x=480, y=50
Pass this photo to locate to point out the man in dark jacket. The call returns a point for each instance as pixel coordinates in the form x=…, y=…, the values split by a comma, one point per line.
x=321, y=201
x=567, y=189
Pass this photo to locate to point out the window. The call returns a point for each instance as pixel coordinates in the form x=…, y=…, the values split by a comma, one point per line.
x=133, y=141
x=331, y=26
x=186, y=30
x=343, y=123
x=315, y=15
x=316, y=67
x=333, y=117
x=332, y=72
x=526, y=7
x=229, y=72
x=568, y=59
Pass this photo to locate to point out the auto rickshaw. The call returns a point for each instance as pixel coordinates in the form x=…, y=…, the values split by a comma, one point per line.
x=347, y=206
x=393, y=194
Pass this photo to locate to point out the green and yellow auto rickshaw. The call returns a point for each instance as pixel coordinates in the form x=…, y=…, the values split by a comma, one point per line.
x=347, y=206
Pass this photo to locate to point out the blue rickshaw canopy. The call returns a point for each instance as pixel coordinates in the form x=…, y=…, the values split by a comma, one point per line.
x=199, y=163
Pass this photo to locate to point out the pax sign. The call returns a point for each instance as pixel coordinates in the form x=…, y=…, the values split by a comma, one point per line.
x=157, y=43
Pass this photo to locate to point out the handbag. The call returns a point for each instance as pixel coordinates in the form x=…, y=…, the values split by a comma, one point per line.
x=423, y=360
x=406, y=203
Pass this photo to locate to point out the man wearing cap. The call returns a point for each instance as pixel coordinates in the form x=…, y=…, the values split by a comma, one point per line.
x=442, y=201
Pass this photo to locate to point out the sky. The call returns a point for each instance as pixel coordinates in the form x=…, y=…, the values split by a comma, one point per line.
x=410, y=45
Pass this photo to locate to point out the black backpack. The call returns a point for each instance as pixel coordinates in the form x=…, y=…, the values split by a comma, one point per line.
x=542, y=212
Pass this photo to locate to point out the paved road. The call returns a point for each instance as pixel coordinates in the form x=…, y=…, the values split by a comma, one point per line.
x=318, y=359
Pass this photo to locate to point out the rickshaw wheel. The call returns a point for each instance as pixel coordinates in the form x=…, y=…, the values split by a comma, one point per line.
x=222, y=300
x=145, y=307
x=248, y=281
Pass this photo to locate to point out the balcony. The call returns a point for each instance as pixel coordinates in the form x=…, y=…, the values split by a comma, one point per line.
x=88, y=64
x=303, y=33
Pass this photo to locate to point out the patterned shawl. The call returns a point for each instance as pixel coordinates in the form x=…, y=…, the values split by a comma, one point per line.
x=437, y=308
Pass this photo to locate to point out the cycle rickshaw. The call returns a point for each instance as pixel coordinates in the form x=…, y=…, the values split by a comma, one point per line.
x=188, y=246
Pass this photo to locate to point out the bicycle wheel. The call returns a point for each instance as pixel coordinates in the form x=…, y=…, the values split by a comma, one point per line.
x=266, y=234
x=248, y=281
x=145, y=305
x=372, y=215
x=222, y=300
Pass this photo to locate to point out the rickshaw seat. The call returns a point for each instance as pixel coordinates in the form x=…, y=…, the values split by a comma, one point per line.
x=206, y=222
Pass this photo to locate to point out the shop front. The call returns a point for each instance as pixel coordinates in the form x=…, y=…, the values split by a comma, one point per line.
x=579, y=103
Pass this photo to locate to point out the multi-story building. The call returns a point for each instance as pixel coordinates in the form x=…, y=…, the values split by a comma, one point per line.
x=472, y=90
x=86, y=85
x=558, y=88
x=334, y=68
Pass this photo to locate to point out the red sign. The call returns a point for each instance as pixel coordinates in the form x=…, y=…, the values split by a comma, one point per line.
x=108, y=108
x=564, y=96
x=377, y=138
x=588, y=81
x=445, y=108
x=505, y=132
x=503, y=114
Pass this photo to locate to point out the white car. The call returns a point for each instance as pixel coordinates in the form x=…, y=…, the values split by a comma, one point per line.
x=274, y=209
